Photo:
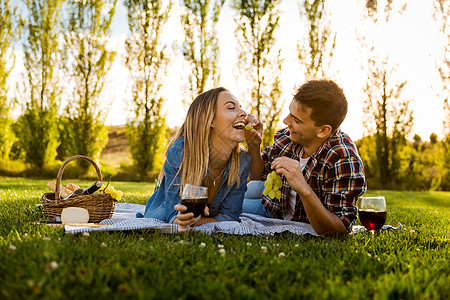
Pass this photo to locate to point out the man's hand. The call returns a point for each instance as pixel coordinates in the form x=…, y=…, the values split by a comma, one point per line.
x=291, y=169
x=322, y=220
x=253, y=137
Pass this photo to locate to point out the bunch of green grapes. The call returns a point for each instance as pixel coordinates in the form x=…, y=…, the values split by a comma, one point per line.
x=115, y=194
x=272, y=185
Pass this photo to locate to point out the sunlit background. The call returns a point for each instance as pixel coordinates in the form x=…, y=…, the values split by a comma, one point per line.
x=411, y=40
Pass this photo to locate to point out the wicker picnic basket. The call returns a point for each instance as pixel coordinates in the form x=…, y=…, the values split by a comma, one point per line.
x=100, y=205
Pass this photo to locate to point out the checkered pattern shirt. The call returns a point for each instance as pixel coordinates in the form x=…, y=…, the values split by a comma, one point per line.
x=335, y=174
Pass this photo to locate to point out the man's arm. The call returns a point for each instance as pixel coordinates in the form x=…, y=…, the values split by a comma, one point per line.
x=322, y=220
x=256, y=167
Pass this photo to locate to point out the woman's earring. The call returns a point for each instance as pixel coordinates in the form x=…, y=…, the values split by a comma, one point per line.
x=212, y=125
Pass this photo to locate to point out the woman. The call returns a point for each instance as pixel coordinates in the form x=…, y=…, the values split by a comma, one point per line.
x=205, y=151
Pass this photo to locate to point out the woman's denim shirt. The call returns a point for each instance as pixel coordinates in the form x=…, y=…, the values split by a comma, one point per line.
x=226, y=205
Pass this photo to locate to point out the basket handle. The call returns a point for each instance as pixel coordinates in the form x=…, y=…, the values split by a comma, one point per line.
x=61, y=170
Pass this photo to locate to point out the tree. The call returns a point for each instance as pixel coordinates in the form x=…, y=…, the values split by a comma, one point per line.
x=9, y=30
x=386, y=115
x=433, y=138
x=417, y=142
x=147, y=63
x=319, y=46
x=88, y=61
x=200, y=48
x=257, y=22
x=441, y=15
x=37, y=127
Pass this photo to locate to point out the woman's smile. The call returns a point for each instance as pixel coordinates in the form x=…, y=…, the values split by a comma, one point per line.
x=228, y=122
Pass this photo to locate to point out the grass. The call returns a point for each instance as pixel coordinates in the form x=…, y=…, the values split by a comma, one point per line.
x=42, y=262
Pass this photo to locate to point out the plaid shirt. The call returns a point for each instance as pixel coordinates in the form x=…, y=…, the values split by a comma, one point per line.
x=335, y=173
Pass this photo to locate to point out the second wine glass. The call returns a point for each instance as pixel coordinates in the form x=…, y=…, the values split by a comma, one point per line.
x=372, y=214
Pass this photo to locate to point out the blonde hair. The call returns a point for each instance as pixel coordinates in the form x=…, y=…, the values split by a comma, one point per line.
x=196, y=131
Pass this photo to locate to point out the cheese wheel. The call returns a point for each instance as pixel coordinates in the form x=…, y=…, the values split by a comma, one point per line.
x=72, y=215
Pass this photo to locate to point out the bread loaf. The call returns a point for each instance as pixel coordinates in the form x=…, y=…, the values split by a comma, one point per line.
x=63, y=192
x=72, y=186
x=71, y=215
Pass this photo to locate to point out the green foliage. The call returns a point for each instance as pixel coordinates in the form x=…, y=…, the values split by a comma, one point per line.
x=415, y=166
x=434, y=165
x=8, y=35
x=257, y=22
x=88, y=62
x=82, y=135
x=200, y=48
x=446, y=164
x=7, y=136
x=318, y=46
x=39, y=261
x=12, y=168
x=147, y=141
x=271, y=113
x=387, y=115
x=372, y=7
x=42, y=52
x=147, y=63
x=441, y=15
x=37, y=133
x=389, y=118
x=36, y=128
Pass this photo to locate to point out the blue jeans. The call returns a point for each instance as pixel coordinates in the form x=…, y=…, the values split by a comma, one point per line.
x=252, y=200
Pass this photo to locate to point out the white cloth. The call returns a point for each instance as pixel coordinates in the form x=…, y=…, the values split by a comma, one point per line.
x=293, y=194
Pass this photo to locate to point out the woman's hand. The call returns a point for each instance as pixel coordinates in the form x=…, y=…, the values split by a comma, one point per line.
x=185, y=219
x=253, y=137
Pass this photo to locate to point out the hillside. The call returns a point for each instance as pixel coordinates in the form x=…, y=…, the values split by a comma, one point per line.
x=117, y=151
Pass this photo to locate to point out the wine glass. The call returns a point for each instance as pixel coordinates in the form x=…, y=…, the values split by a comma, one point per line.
x=372, y=214
x=195, y=199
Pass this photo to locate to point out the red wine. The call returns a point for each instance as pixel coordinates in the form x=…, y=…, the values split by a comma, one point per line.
x=195, y=205
x=372, y=220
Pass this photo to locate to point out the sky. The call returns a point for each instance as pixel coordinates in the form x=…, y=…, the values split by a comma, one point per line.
x=411, y=41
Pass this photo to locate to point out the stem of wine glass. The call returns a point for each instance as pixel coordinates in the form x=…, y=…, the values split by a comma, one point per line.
x=373, y=243
x=186, y=234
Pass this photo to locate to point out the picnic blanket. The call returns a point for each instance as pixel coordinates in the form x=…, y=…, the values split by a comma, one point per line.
x=124, y=219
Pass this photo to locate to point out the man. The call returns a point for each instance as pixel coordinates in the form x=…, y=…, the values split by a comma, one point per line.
x=320, y=166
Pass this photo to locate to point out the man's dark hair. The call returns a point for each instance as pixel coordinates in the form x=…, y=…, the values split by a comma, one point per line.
x=327, y=101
